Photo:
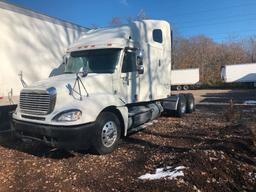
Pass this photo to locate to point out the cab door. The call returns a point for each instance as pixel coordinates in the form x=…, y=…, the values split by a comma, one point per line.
x=129, y=77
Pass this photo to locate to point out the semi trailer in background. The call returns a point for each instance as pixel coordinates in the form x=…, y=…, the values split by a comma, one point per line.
x=32, y=47
x=114, y=81
x=184, y=78
x=239, y=73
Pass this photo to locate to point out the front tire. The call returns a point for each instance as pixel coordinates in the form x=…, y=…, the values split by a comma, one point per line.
x=107, y=133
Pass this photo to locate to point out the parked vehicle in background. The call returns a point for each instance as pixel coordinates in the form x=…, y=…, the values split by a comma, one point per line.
x=34, y=44
x=239, y=73
x=184, y=78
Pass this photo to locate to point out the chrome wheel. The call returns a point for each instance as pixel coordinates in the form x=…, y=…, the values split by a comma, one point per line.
x=109, y=134
x=183, y=108
x=192, y=105
x=185, y=87
x=178, y=88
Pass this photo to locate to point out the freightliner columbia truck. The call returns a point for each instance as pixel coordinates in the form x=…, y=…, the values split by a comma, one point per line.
x=114, y=81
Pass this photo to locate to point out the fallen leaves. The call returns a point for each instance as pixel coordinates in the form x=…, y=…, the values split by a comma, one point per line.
x=217, y=156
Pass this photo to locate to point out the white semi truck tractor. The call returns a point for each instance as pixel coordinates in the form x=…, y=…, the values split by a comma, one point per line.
x=114, y=81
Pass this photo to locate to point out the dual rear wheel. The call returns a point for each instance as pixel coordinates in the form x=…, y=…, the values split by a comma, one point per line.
x=186, y=104
x=180, y=87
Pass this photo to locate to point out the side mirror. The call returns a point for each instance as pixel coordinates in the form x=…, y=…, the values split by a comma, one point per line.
x=83, y=70
x=139, y=64
x=140, y=69
x=140, y=53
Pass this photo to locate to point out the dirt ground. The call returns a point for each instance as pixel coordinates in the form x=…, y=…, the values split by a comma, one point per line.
x=216, y=145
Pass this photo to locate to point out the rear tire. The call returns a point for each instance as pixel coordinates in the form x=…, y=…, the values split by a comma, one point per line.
x=181, y=108
x=185, y=87
x=107, y=133
x=178, y=87
x=190, y=103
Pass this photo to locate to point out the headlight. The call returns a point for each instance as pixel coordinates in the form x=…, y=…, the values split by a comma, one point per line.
x=67, y=116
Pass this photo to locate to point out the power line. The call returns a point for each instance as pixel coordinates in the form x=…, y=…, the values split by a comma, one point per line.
x=217, y=18
x=218, y=23
x=213, y=21
x=228, y=36
x=239, y=31
x=217, y=9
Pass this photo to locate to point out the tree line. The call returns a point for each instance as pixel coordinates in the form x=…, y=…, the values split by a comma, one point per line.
x=203, y=53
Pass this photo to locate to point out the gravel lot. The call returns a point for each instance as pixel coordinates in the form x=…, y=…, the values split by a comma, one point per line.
x=215, y=145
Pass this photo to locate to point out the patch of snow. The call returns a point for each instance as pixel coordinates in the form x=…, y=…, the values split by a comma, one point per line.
x=250, y=102
x=168, y=172
x=196, y=189
x=252, y=175
x=213, y=159
x=149, y=123
x=145, y=125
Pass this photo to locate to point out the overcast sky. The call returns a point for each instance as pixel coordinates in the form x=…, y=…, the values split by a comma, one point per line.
x=218, y=19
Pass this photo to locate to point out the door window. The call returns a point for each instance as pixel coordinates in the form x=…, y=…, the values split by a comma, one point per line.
x=157, y=35
x=129, y=63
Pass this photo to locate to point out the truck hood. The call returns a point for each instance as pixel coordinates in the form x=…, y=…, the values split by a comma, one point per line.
x=64, y=96
x=93, y=83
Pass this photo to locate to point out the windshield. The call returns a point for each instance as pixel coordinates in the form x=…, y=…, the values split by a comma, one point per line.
x=95, y=61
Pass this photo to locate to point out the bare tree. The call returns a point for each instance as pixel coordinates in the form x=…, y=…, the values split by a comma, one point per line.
x=250, y=46
x=142, y=15
x=209, y=56
x=94, y=26
x=115, y=21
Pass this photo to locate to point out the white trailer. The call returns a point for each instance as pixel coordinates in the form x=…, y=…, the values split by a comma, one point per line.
x=240, y=73
x=184, y=78
x=114, y=81
x=33, y=44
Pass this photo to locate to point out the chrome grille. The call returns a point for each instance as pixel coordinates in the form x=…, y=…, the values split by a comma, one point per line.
x=37, y=102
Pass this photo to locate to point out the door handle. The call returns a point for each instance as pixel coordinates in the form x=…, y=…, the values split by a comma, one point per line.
x=125, y=80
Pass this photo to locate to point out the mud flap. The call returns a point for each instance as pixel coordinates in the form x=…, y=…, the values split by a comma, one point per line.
x=5, y=117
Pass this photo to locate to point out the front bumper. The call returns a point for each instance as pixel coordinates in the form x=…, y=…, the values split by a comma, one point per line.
x=67, y=137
